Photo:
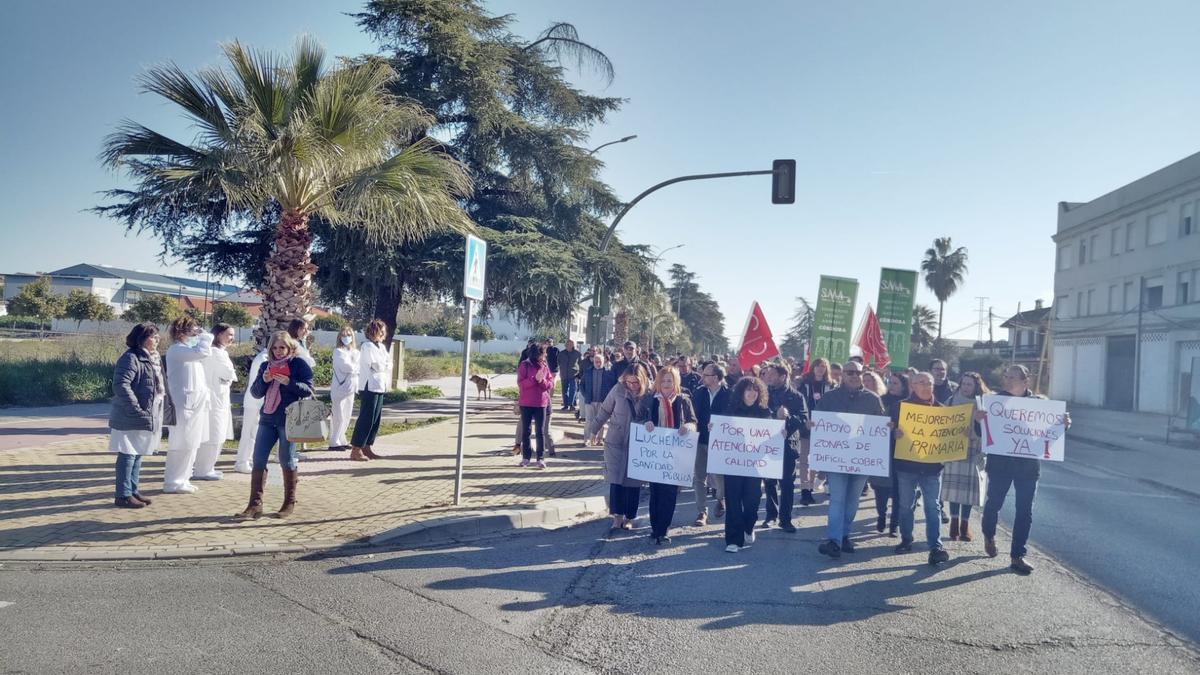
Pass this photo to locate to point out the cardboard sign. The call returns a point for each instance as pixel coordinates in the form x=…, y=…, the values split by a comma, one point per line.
x=850, y=443
x=934, y=434
x=661, y=456
x=1033, y=428
x=746, y=446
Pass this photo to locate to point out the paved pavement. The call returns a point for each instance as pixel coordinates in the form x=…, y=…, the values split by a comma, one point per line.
x=57, y=498
x=579, y=601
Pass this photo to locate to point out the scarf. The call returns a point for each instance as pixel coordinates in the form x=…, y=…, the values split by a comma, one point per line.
x=274, y=396
x=666, y=413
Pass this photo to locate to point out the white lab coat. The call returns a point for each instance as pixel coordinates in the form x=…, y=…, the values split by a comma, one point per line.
x=341, y=392
x=376, y=367
x=304, y=355
x=220, y=376
x=188, y=386
x=251, y=406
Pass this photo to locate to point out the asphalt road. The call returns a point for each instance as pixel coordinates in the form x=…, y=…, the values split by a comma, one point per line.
x=580, y=600
x=1137, y=538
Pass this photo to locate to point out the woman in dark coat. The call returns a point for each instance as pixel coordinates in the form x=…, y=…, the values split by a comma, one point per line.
x=743, y=493
x=667, y=406
x=887, y=486
x=136, y=418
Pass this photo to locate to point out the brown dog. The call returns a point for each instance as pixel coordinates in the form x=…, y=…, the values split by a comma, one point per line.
x=483, y=386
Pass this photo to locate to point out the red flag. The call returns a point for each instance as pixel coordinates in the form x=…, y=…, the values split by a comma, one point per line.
x=757, y=343
x=870, y=341
x=807, y=358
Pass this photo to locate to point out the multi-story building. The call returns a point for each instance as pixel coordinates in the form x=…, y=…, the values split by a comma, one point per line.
x=1126, y=321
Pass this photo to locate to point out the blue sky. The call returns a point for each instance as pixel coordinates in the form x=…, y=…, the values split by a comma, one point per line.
x=909, y=121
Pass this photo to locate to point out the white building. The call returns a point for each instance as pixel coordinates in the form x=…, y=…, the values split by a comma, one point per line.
x=1126, y=323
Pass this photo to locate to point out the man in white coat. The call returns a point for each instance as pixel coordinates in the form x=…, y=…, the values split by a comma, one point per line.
x=244, y=462
x=188, y=387
x=218, y=369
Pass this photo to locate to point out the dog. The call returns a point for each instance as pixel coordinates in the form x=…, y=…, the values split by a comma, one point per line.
x=483, y=387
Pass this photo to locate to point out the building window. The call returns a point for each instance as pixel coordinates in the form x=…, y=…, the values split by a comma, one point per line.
x=1130, y=229
x=1083, y=244
x=1093, y=246
x=1113, y=299
x=1115, y=245
x=1064, y=257
x=1130, y=298
x=1154, y=293
x=1079, y=307
x=1090, y=296
x=1185, y=219
x=1156, y=228
x=1060, y=307
x=1183, y=291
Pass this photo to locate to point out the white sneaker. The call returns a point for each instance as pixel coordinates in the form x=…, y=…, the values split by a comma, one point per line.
x=749, y=539
x=243, y=468
x=185, y=489
x=215, y=475
x=732, y=548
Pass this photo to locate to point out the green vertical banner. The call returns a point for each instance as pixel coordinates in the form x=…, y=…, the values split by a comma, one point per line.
x=833, y=319
x=897, y=292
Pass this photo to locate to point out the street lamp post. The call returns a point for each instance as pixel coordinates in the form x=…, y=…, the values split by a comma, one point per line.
x=605, y=145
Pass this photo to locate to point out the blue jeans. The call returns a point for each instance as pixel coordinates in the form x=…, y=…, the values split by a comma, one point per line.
x=129, y=470
x=569, y=388
x=845, y=489
x=997, y=490
x=931, y=486
x=268, y=433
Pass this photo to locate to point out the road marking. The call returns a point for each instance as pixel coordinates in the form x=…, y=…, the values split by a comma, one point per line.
x=4, y=604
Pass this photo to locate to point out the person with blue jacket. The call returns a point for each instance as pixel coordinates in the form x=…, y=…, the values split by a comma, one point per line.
x=136, y=418
x=597, y=381
x=284, y=379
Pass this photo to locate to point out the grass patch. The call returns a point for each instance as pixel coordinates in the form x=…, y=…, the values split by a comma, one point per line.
x=416, y=392
x=428, y=364
x=511, y=393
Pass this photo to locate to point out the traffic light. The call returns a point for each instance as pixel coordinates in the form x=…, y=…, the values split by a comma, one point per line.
x=783, y=181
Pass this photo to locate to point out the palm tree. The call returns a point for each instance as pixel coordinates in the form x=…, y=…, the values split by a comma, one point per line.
x=944, y=272
x=924, y=321
x=297, y=135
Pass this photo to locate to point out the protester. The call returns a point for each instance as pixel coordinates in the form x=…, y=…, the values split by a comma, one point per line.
x=341, y=390
x=188, y=387
x=963, y=481
x=926, y=476
x=886, y=486
x=733, y=373
x=375, y=377
x=873, y=382
x=711, y=399
x=815, y=383
x=789, y=405
x=743, y=493
x=298, y=330
x=535, y=382
x=598, y=380
x=835, y=374
x=688, y=378
x=585, y=364
x=552, y=362
x=943, y=388
x=136, y=416
x=671, y=408
x=845, y=489
x=244, y=461
x=284, y=379
x=1020, y=473
x=218, y=369
x=568, y=370
x=619, y=409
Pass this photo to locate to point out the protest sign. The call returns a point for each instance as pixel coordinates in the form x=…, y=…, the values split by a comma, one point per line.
x=1025, y=427
x=933, y=434
x=833, y=318
x=746, y=446
x=897, y=290
x=850, y=443
x=661, y=456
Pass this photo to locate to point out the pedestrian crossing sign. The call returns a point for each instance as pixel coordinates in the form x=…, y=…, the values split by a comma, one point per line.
x=475, y=270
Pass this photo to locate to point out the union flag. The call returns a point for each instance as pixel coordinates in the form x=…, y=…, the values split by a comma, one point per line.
x=870, y=341
x=757, y=343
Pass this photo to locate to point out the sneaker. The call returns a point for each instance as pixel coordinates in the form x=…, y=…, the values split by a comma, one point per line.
x=628, y=524
x=1020, y=566
x=904, y=547
x=128, y=503
x=541, y=464
x=551, y=452
x=989, y=547
x=787, y=527
x=938, y=556
x=701, y=520
x=185, y=489
x=663, y=541
x=732, y=548
x=243, y=468
x=830, y=548
x=215, y=475
x=749, y=539
x=847, y=545
x=766, y=524
x=524, y=463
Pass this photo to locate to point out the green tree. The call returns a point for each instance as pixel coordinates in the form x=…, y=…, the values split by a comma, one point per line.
x=233, y=314
x=697, y=310
x=924, y=322
x=800, y=331
x=294, y=135
x=36, y=299
x=945, y=269
x=482, y=333
x=84, y=306
x=156, y=309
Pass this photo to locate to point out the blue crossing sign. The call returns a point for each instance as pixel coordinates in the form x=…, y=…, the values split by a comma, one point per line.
x=475, y=269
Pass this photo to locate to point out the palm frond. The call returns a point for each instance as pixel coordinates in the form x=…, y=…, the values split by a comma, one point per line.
x=196, y=99
x=134, y=140
x=263, y=82
x=561, y=40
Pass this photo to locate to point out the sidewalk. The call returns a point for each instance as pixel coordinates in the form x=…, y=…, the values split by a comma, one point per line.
x=57, y=502
x=1134, y=445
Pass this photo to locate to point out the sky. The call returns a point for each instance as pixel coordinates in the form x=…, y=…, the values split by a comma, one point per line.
x=909, y=121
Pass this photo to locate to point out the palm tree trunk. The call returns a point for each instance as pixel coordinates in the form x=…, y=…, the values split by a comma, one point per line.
x=941, y=311
x=621, y=327
x=287, y=286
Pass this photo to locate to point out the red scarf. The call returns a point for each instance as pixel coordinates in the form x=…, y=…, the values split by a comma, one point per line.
x=666, y=413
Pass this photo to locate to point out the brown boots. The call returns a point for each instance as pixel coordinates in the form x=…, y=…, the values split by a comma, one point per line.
x=954, y=529
x=370, y=453
x=290, y=478
x=964, y=531
x=356, y=454
x=254, y=509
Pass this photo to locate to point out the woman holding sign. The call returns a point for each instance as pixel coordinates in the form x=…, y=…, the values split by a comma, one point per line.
x=620, y=407
x=667, y=407
x=962, y=481
x=743, y=493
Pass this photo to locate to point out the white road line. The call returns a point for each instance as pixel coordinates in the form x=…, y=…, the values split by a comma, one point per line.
x=4, y=604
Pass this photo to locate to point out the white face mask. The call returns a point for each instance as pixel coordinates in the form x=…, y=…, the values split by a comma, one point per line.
x=346, y=340
x=193, y=341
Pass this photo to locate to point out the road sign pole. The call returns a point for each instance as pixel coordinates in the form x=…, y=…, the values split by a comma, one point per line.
x=462, y=401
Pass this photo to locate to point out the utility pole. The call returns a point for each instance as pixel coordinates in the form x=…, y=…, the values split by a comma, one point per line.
x=982, y=302
x=1014, y=342
x=991, y=340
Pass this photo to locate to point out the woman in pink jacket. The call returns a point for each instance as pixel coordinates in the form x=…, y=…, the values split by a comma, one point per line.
x=535, y=382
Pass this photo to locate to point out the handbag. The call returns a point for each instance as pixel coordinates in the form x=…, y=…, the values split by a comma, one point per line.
x=305, y=421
